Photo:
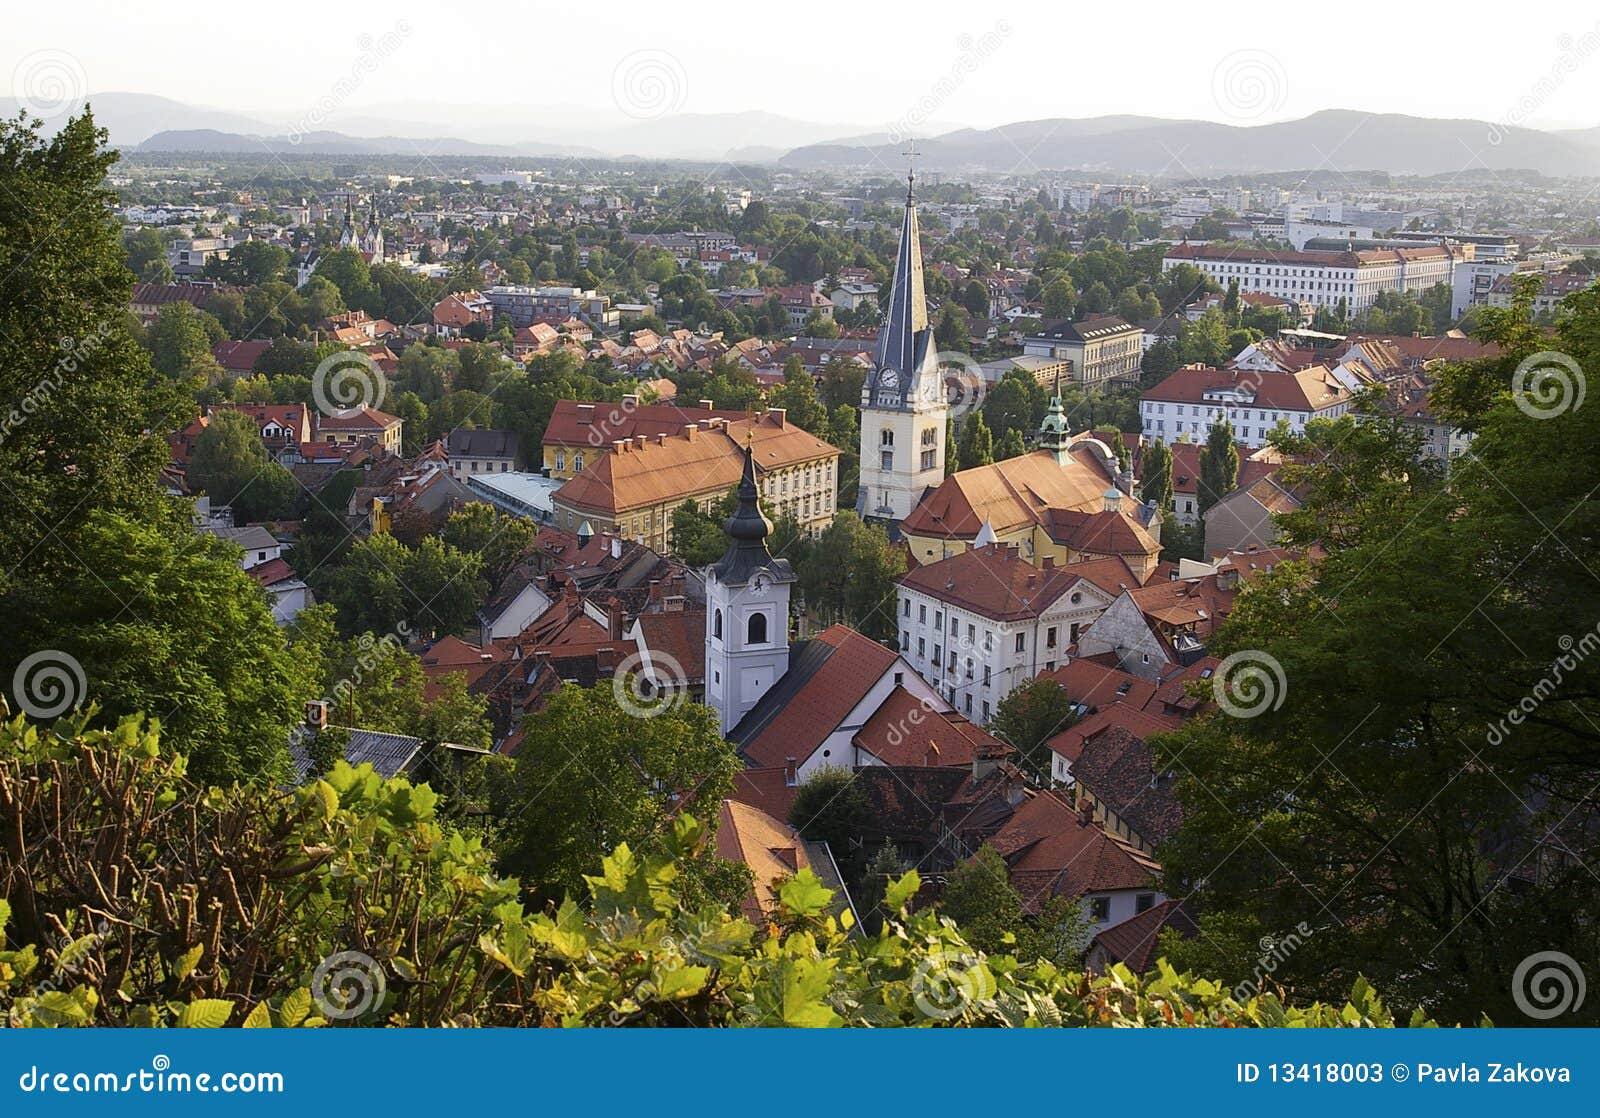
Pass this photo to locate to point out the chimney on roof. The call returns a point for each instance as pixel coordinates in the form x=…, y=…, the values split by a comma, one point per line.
x=986, y=759
x=639, y=441
x=541, y=659
x=1049, y=562
x=690, y=430
x=778, y=415
x=619, y=445
x=585, y=413
x=706, y=404
x=630, y=400
x=791, y=776
x=1033, y=579
x=605, y=659
x=1085, y=810
x=316, y=715
x=655, y=591
x=616, y=547
x=569, y=591
x=615, y=618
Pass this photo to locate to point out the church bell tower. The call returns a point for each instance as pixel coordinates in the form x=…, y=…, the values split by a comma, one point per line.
x=747, y=611
x=904, y=406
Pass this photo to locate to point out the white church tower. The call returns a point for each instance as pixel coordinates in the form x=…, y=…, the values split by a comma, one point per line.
x=904, y=407
x=747, y=611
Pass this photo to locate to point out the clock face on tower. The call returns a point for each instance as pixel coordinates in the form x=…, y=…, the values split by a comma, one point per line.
x=889, y=379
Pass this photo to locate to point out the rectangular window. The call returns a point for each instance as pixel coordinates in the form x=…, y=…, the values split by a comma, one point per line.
x=1144, y=902
x=922, y=649
x=986, y=680
x=986, y=710
x=922, y=613
x=938, y=619
x=1050, y=637
x=906, y=612
x=905, y=640
x=1100, y=909
x=938, y=655
x=1022, y=639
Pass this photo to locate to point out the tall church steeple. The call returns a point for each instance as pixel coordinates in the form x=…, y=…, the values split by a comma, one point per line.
x=904, y=404
x=747, y=610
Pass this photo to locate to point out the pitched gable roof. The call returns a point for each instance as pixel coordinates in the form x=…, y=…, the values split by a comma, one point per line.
x=828, y=677
x=998, y=583
x=906, y=730
x=1133, y=942
x=1011, y=494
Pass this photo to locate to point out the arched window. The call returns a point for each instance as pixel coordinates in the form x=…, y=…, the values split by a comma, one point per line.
x=577, y=463
x=757, y=633
x=716, y=624
x=887, y=438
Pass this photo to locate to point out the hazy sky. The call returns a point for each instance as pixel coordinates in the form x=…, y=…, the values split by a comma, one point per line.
x=869, y=64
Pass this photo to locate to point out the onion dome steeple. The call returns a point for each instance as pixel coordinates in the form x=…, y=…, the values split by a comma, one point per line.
x=748, y=528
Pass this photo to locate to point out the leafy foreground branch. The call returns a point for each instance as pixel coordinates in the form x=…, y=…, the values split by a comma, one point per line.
x=134, y=896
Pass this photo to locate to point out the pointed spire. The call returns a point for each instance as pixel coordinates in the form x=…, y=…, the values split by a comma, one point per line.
x=748, y=524
x=748, y=530
x=908, y=303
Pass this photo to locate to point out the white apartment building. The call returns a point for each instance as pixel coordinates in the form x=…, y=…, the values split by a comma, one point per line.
x=981, y=623
x=1324, y=279
x=1188, y=403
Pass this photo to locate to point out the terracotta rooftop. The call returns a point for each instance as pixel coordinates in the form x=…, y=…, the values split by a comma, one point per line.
x=1309, y=389
x=1052, y=851
x=998, y=583
x=906, y=730
x=650, y=471
x=1012, y=494
x=1133, y=942
x=828, y=677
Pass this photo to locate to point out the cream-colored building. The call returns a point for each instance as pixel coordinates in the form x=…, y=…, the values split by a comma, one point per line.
x=635, y=485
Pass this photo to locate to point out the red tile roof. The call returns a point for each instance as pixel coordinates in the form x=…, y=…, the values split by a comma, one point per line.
x=1011, y=494
x=907, y=730
x=1052, y=851
x=997, y=582
x=1069, y=743
x=1133, y=942
x=1310, y=389
x=816, y=710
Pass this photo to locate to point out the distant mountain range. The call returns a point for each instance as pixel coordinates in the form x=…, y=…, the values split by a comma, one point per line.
x=1336, y=139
